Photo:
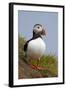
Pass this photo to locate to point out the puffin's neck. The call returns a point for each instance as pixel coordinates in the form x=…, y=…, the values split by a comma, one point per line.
x=36, y=36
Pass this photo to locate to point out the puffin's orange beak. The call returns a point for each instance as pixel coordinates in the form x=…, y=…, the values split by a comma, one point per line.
x=43, y=32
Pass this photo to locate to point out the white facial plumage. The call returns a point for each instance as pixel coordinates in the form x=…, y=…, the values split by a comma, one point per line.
x=37, y=28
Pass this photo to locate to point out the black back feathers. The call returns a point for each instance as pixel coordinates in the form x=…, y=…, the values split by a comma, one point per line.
x=26, y=45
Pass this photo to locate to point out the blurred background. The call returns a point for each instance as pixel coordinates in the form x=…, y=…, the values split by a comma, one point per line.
x=49, y=20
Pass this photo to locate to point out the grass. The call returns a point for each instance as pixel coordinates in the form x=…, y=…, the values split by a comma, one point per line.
x=49, y=64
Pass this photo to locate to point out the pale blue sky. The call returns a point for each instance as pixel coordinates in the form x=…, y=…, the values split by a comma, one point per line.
x=26, y=21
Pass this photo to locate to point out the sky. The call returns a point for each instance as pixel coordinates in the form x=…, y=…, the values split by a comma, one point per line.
x=49, y=20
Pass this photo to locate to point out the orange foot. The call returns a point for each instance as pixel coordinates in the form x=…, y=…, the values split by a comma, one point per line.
x=36, y=67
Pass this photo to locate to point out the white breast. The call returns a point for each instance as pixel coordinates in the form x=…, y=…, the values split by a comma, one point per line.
x=36, y=48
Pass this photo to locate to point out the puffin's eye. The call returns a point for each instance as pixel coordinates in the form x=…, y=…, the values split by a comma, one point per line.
x=38, y=27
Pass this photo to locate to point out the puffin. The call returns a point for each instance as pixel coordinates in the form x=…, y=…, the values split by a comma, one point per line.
x=35, y=47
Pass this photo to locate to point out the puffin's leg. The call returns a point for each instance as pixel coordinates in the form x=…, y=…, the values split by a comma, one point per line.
x=38, y=62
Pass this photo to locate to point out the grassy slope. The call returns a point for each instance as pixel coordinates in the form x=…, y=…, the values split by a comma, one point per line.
x=47, y=62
